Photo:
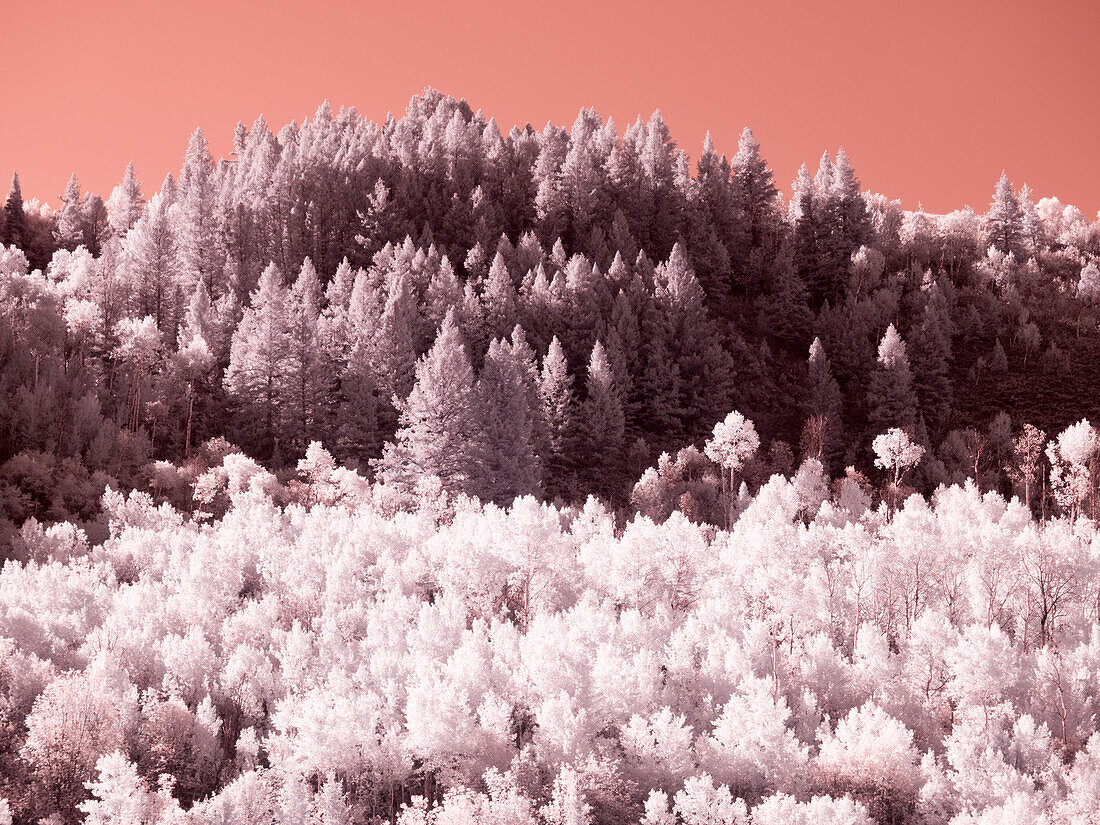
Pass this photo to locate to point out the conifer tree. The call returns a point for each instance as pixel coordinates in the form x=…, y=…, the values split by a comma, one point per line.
x=442, y=425
x=558, y=403
x=753, y=180
x=443, y=294
x=892, y=403
x=806, y=211
x=358, y=434
x=152, y=263
x=306, y=371
x=393, y=345
x=1003, y=221
x=602, y=425
x=851, y=226
x=823, y=408
x=499, y=298
x=126, y=203
x=200, y=254
x=15, y=220
x=1032, y=231
x=70, y=219
x=931, y=357
x=511, y=464
x=256, y=377
x=786, y=313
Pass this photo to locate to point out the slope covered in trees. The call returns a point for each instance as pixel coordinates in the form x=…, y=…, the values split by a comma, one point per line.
x=287, y=293
x=461, y=477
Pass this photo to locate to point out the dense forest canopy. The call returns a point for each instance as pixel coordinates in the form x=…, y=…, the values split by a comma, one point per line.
x=424, y=473
x=286, y=295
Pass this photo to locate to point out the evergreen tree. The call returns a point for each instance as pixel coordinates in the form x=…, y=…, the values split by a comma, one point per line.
x=891, y=401
x=126, y=203
x=358, y=437
x=824, y=427
x=757, y=193
x=558, y=403
x=201, y=258
x=931, y=359
x=511, y=465
x=1003, y=221
x=442, y=425
x=1032, y=231
x=806, y=210
x=152, y=263
x=602, y=426
x=256, y=377
x=15, y=220
x=393, y=345
x=499, y=298
x=70, y=219
x=306, y=372
x=96, y=223
x=785, y=313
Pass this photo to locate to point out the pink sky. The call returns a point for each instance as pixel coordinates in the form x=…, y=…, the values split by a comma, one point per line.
x=931, y=100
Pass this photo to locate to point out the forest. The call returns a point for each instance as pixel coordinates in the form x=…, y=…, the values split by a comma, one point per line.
x=414, y=472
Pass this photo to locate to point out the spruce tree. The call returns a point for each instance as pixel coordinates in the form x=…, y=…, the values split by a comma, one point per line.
x=152, y=264
x=306, y=370
x=256, y=377
x=69, y=233
x=752, y=179
x=823, y=406
x=201, y=257
x=499, y=298
x=602, y=426
x=1004, y=220
x=15, y=220
x=357, y=433
x=442, y=425
x=890, y=397
x=511, y=467
x=558, y=404
x=126, y=203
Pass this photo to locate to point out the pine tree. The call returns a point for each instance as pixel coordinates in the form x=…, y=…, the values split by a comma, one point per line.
x=442, y=425
x=393, y=345
x=126, y=203
x=152, y=263
x=70, y=219
x=821, y=437
x=306, y=373
x=890, y=395
x=499, y=298
x=558, y=403
x=358, y=436
x=806, y=209
x=1003, y=221
x=660, y=389
x=15, y=220
x=1032, y=231
x=602, y=426
x=96, y=223
x=786, y=313
x=256, y=377
x=931, y=359
x=753, y=180
x=511, y=465
x=200, y=255
x=443, y=294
